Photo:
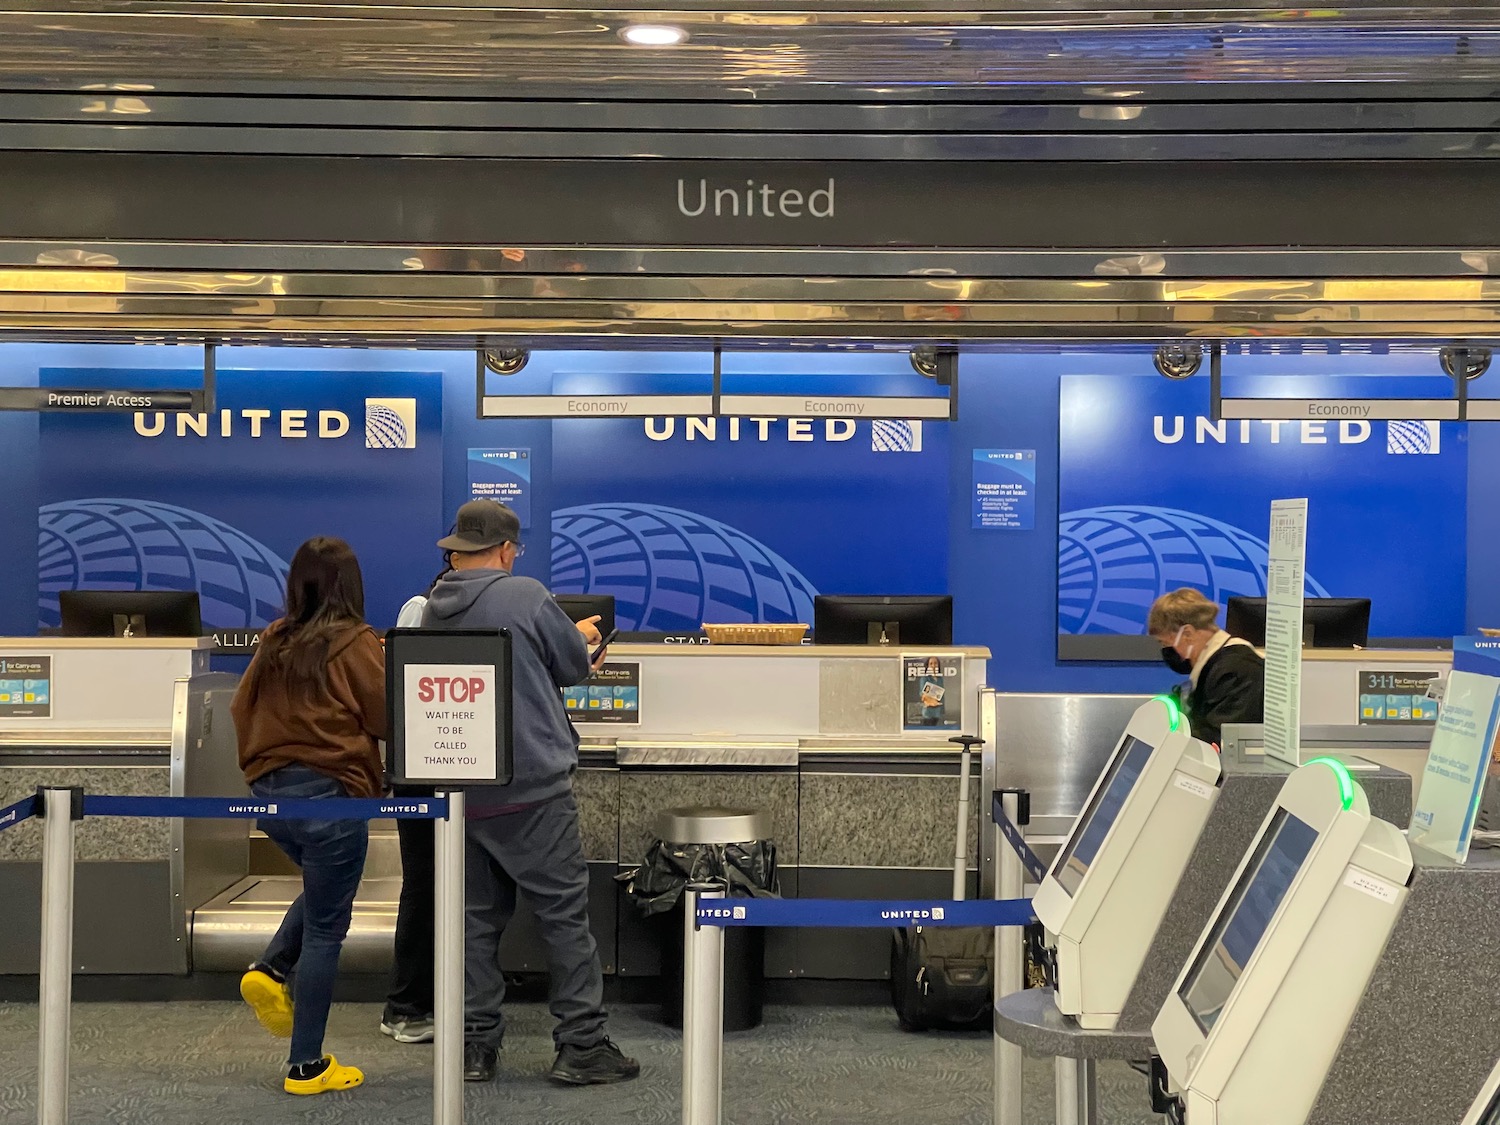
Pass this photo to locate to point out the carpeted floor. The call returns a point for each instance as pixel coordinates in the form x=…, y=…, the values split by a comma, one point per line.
x=193, y=1063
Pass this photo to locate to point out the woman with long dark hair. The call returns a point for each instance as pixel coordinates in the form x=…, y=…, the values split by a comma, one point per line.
x=310, y=713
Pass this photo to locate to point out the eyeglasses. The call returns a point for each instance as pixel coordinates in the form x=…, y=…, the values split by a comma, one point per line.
x=520, y=548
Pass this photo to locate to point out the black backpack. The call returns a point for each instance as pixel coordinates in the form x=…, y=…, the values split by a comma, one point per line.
x=943, y=978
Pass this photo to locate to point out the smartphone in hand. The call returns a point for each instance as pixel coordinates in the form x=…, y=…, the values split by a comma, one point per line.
x=604, y=644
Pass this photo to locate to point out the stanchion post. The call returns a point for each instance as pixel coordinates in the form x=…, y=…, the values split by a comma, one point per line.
x=59, y=809
x=702, y=1012
x=1010, y=960
x=448, y=990
x=1066, y=1079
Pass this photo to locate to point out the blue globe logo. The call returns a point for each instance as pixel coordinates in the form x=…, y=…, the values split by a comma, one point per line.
x=888, y=436
x=1114, y=561
x=1408, y=437
x=113, y=544
x=385, y=428
x=671, y=570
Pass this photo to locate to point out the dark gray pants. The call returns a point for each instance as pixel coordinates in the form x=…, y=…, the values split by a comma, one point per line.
x=538, y=852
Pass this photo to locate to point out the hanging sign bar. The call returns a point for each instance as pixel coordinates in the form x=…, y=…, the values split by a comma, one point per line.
x=86, y=400
x=1455, y=409
x=583, y=405
x=104, y=400
x=1339, y=409
x=595, y=406
x=716, y=404
x=821, y=406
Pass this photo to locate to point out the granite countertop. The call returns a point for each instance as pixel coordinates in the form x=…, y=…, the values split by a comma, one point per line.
x=1031, y=1020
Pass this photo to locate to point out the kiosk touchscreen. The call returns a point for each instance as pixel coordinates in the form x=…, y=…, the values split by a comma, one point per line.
x=1253, y=1023
x=1106, y=892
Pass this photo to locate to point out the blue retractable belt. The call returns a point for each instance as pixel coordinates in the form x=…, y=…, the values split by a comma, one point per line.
x=1029, y=860
x=18, y=813
x=834, y=912
x=238, y=808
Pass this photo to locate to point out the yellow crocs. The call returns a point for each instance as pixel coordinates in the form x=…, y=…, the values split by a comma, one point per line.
x=334, y=1077
x=269, y=1000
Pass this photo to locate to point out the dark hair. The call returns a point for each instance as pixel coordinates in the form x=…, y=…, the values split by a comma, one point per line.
x=447, y=570
x=325, y=597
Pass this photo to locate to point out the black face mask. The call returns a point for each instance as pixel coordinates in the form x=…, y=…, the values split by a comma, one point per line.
x=1176, y=661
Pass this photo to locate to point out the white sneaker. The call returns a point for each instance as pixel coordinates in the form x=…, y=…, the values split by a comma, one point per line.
x=409, y=1030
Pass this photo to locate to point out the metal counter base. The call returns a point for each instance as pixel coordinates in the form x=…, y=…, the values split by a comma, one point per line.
x=232, y=929
x=1031, y=1020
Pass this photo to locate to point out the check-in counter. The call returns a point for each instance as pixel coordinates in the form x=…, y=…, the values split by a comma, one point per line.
x=860, y=806
x=1335, y=681
x=120, y=717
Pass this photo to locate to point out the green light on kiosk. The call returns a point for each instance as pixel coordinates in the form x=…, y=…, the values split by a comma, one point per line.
x=1174, y=712
x=1346, y=779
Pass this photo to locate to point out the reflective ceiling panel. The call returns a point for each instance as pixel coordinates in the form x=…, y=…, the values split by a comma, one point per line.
x=126, y=46
x=1075, y=83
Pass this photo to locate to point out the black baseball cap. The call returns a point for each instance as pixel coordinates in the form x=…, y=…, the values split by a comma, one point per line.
x=482, y=524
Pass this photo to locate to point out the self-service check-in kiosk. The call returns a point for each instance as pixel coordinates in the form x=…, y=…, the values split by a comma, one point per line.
x=1106, y=892
x=1256, y=1017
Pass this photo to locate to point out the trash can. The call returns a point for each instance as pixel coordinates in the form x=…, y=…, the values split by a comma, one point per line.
x=709, y=845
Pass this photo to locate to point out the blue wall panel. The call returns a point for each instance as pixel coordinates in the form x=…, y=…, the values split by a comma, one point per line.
x=1004, y=581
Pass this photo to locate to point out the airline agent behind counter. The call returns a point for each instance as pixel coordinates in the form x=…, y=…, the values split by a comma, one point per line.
x=1227, y=675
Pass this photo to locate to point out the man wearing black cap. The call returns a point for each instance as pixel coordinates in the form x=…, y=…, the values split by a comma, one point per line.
x=524, y=836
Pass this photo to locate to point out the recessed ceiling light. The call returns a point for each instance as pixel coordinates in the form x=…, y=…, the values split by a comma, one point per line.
x=653, y=35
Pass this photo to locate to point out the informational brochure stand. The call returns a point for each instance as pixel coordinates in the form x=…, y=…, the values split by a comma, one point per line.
x=1463, y=744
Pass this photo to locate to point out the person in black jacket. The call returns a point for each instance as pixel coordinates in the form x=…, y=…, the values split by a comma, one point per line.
x=1227, y=675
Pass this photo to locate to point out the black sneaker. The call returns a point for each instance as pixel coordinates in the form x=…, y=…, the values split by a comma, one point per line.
x=592, y=1066
x=479, y=1062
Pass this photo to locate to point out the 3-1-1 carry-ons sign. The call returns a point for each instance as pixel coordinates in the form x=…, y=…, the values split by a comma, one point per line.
x=449, y=694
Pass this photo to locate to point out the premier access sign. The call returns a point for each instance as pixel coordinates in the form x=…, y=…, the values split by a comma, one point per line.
x=90, y=400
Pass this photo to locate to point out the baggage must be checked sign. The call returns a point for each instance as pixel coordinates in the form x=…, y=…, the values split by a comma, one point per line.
x=450, y=721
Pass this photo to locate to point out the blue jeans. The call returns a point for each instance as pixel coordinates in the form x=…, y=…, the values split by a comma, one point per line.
x=331, y=854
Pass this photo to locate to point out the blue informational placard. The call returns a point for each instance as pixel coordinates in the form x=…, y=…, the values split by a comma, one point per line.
x=503, y=475
x=1005, y=489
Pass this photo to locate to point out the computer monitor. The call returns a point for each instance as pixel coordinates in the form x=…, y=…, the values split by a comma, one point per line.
x=908, y=620
x=130, y=613
x=1326, y=622
x=579, y=606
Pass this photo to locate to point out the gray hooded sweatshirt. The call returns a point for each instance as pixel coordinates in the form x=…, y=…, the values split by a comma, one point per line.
x=548, y=654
